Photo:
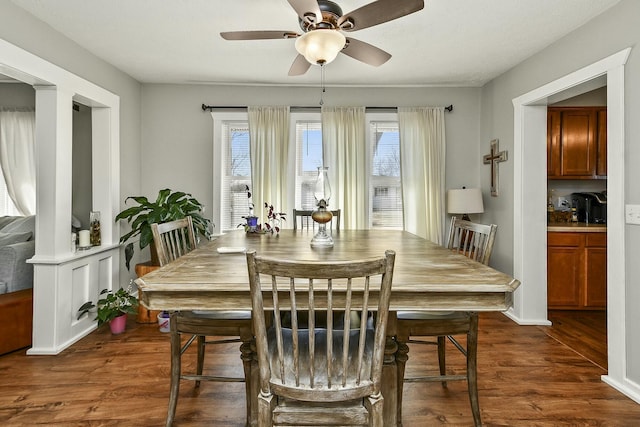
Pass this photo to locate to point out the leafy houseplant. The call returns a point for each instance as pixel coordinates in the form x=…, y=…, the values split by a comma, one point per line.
x=111, y=305
x=168, y=206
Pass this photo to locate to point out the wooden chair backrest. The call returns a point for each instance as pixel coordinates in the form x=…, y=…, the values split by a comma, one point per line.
x=472, y=239
x=296, y=362
x=173, y=239
x=306, y=222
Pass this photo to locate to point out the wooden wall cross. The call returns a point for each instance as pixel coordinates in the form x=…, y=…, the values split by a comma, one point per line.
x=493, y=158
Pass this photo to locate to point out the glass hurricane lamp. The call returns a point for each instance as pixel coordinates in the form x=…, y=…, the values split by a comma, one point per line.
x=322, y=193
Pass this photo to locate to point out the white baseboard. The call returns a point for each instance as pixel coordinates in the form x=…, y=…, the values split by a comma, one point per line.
x=627, y=387
x=526, y=322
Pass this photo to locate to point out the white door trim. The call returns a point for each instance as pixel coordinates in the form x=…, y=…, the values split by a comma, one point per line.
x=530, y=302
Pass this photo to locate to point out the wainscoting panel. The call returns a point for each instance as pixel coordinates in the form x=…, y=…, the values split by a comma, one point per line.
x=61, y=287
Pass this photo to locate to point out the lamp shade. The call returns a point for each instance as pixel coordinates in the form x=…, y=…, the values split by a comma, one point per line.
x=465, y=201
x=320, y=46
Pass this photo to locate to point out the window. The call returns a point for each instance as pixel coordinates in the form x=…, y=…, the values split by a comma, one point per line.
x=381, y=192
x=237, y=174
x=308, y=159
x=385, y=185
x=232, y=168
x=6, y=204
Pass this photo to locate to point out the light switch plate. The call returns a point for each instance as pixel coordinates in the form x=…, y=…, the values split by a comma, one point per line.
x=632, y=214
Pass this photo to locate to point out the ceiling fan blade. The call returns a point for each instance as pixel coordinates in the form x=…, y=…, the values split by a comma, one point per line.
x=258, y=35
x=365, y=52
x=299, y=67
x=307, y=10
x=378, y=12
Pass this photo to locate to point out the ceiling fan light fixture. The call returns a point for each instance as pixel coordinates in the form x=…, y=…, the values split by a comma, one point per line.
x=320, y=46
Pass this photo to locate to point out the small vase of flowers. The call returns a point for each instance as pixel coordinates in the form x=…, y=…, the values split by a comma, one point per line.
x=274, y=219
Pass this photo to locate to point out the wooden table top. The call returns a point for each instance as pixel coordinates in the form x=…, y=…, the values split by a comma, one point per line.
x=426, y=276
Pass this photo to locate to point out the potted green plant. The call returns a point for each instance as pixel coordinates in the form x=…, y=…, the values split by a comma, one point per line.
x=112, y=308
x=168, y=206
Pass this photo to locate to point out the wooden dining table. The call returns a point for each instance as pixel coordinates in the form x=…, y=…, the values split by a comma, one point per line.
x=426, y=277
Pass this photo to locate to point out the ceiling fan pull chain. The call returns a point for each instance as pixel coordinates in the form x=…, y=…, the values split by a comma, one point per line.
x=322, y=84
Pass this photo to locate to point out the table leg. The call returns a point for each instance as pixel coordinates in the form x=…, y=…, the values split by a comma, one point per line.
x=389, y=382
x=401, y=361
x=389, y=372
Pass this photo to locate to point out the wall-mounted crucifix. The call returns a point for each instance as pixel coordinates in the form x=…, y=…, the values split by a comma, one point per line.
x=493, y=158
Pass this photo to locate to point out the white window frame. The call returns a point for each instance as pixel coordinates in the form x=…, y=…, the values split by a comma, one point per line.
x=295, y=118
x=219, y=167
x=371, y=118
x=219, y=157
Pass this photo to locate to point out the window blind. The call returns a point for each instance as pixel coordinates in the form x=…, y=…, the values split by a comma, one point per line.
x=237, y=176
x=385, y=190
x=308, y=159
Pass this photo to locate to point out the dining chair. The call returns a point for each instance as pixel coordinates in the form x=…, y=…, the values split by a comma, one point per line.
x=476, y=242
x=312, y=374
x=306, y=222
x=172, y=240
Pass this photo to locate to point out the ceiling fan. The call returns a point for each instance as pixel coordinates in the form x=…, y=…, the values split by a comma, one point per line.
x=322, y=23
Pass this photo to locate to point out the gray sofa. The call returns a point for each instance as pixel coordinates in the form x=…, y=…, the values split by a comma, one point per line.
x=17, y=244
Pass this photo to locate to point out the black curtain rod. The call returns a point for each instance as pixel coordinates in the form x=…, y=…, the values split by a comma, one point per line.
x=296, y=107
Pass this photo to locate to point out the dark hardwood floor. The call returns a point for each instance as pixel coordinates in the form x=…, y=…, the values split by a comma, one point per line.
x=584, y=332
x=527, y=377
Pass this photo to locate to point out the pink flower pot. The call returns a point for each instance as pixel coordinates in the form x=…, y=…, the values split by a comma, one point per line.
x=118, y=324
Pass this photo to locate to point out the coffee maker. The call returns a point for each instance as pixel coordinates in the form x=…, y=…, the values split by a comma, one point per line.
x=591, y=207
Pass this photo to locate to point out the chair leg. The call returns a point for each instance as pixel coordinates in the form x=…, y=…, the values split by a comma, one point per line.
x=200, y=362
x=266, y=404
x=175, y=371
x=247, y=357
x=472, y=368
x=401, y=362
x=442, y=358
x=375, y=405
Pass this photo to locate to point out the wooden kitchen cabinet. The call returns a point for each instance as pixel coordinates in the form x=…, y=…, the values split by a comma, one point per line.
x=576, y=142
x=576, y=270
x=596, y=271
x=601, y=155
x=565, y=256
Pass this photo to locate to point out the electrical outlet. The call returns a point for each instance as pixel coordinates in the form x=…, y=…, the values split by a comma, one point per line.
x=563, y=202
x=632, y=214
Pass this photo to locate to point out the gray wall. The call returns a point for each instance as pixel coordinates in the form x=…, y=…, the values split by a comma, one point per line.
x=177, y=135
x=594, y=98
x=605, y=35
x=81, y=189
x=23, y=30
x=17, y=95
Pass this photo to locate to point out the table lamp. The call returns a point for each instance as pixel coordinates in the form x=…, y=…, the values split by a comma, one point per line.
x=464, y=201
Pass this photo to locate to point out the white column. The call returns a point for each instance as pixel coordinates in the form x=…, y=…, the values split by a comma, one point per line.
x=54, y=123
x=53, y=206
x=106, y=171
x=64, y=280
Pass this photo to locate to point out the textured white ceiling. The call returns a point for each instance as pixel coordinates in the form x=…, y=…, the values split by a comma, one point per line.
x=449, y=42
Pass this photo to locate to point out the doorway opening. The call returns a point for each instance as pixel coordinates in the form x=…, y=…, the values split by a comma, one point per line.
x=576, y=239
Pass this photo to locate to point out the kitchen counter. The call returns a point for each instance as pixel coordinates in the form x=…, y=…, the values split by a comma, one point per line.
x=576, y=227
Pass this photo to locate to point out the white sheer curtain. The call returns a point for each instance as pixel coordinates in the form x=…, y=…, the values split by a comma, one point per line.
x=269, y=151
x=17, y=157
x=344, y=149
x=422, y=159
